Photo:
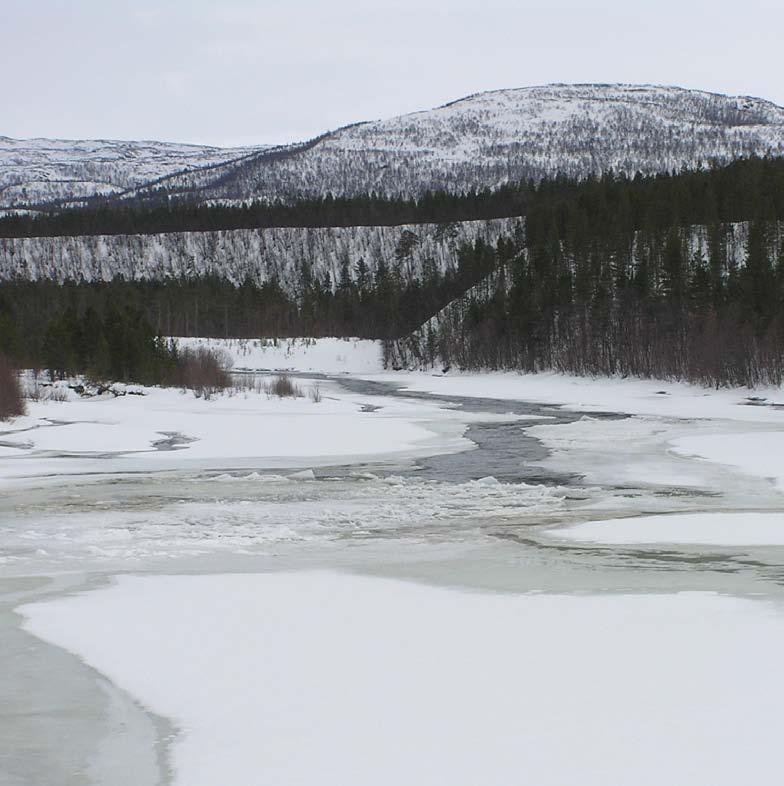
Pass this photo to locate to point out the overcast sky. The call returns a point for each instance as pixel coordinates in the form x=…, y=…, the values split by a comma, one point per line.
x=240, y=72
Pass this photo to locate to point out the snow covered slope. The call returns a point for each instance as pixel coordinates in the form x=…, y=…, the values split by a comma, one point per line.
x=241, y=254
x=483, y=140
x=34, y=171
x=492, y=138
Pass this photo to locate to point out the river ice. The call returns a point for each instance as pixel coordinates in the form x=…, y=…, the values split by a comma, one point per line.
x=484, y=590
x=302, y=678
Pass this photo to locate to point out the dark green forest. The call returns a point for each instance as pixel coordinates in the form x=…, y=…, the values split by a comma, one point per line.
x=163, y=215
x=607, y=278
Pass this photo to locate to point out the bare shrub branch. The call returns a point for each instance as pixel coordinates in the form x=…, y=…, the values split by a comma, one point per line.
x=204, y=371
x=282, y=387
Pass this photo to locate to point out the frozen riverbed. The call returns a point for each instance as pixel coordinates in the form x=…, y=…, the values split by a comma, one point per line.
x=302, y=678
x=513, y=583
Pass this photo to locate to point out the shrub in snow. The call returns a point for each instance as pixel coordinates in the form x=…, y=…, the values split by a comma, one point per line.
x=204, y=371
x=282, y=387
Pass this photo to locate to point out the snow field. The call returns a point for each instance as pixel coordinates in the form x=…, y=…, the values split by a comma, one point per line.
x=323, y=355
x=299, y=678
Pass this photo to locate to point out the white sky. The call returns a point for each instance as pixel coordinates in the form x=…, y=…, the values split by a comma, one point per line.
x=242, y=72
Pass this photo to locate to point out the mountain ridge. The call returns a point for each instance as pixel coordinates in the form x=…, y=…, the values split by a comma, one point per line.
x=482, y=140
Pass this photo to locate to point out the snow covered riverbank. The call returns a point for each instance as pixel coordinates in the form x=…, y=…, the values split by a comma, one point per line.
x=164, y=429
x=633, y=396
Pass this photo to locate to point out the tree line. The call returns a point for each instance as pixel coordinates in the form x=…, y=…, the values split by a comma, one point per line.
x=159, y=214
x=747, y=187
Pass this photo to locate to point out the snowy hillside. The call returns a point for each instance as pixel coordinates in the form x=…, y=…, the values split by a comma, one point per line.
x=242, y=254
x=493, y=138
x=483, y=140
x=34, y=171
x=424, y=348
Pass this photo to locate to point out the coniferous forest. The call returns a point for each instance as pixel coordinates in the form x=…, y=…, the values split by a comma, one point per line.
x=677, y=275
x=673, y=277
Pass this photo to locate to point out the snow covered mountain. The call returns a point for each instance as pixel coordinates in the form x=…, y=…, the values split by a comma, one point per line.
x=483, y=140
x=492, y=138
x=35, y=171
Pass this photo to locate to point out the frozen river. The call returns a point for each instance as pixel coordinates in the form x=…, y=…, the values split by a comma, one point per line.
x=493, y=505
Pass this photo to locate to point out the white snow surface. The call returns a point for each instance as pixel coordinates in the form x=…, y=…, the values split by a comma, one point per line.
x=315, y=677
x=237, y=428
x=81, y=437
x=631, y=395
x=759, y=453
x=710, y=529
x=305, y=677
x=324, y=355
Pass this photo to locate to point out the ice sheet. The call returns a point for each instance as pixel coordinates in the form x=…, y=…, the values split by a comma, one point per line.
x=614, y=394
x=305, y=678
x=718, y=529
x=759, y=453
